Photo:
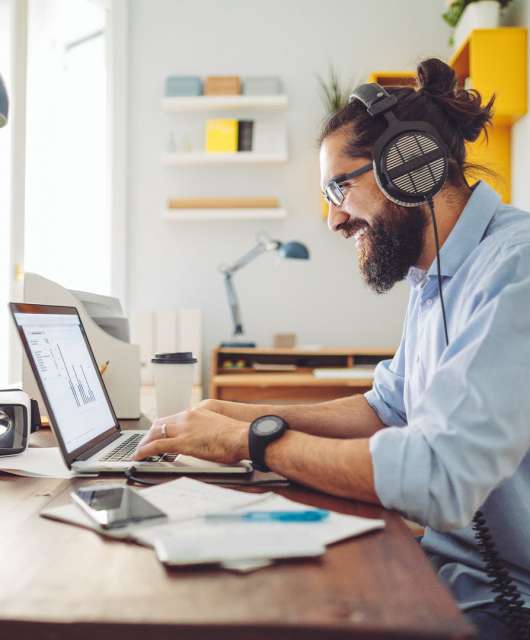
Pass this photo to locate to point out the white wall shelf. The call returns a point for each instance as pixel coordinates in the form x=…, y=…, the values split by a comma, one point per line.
x=222, y=103
x=199, y=215
x=240, y=157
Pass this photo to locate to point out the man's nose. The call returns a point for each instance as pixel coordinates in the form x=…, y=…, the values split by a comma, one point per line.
x=336, y=217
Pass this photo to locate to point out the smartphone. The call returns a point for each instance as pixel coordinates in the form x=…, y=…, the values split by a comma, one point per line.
x=113, y=506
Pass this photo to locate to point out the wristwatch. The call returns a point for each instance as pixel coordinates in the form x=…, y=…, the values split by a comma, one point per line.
x=262, y=432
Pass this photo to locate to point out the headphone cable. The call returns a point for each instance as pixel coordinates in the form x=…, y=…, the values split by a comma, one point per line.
x=438, y=268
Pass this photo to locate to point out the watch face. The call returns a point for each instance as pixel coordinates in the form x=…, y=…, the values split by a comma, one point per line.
x=267, y=426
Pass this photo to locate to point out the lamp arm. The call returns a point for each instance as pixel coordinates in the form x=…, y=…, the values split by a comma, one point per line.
x=233, y=303
x=261, y=247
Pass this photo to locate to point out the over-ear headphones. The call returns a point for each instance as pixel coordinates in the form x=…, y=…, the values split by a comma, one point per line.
x=410, y=159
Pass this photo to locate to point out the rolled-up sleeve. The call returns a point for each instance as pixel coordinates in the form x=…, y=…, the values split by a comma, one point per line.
x=386, y=396
x=471, y=429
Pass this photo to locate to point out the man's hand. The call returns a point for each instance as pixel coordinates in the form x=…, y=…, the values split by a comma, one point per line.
x=197, y=432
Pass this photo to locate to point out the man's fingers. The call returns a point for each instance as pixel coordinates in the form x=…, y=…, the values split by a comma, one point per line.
x=156, y=432
x=155, y=448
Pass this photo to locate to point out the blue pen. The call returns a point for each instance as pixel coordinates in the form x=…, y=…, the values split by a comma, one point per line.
x=313, y=515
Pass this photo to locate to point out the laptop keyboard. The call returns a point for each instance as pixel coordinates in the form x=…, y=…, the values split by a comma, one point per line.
x=124, y=452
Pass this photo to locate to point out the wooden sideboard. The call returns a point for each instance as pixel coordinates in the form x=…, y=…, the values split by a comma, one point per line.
x=272, y=375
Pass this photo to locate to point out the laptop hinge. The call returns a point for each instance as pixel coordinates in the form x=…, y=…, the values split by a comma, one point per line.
x=101, y=445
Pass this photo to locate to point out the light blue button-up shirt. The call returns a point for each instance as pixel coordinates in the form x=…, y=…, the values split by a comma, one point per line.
x=458, y=418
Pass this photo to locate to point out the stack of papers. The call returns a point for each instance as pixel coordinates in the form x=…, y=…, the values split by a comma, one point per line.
x=188, y=538
x=37, y=463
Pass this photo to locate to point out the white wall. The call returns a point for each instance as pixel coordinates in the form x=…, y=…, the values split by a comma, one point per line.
x=175, y=264
x=521, y=130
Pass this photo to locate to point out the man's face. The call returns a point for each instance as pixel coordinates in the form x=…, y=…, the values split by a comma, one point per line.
x=388, y=237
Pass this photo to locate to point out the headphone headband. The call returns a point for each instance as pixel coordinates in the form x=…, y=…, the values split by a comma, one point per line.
x=375, y=98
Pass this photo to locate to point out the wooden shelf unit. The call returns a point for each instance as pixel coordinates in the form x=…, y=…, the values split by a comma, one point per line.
x=223, y=103
x=243, y=383
x=212, y=158
x=198, y=215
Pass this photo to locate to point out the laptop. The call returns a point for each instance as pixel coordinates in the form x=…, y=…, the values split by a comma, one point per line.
x=79, y=408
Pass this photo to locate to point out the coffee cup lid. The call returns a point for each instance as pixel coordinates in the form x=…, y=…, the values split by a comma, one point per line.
x=179, y=357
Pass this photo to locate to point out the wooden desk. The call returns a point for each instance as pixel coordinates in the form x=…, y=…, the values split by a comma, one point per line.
x=241, y=374
x=63, y=582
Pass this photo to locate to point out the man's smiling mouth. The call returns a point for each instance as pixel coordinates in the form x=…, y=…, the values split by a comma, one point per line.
x=355, y=228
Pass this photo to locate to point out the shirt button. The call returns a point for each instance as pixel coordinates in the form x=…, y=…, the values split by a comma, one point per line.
x=429, y=301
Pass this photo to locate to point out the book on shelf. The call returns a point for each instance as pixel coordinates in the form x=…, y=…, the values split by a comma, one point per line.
x=221, y=135
x=245, y=135
x=223, y=203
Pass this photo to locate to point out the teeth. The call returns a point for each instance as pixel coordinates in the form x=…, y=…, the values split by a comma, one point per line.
x=359, y=234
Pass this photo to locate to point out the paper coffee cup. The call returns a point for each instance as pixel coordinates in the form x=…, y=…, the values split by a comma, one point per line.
x=173, y=374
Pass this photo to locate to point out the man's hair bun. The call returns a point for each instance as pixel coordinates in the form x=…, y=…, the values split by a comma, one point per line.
x=462, y=107
x=436, y=77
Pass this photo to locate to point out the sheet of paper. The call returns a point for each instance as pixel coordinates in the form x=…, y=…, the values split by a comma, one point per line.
x=187, y=498
x=336, y=527
x=37, y=462
x=210, y=544
x=353, y=372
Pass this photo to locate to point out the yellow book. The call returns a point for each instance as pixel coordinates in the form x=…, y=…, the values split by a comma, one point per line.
x=221, y=135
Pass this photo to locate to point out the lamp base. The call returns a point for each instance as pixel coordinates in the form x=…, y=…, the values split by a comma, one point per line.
x=238, y=345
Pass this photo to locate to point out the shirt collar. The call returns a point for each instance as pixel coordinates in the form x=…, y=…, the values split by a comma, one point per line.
x=416, y=277
x=468, y=230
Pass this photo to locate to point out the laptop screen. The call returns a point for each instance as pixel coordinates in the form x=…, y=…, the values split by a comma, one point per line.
x=67, y=374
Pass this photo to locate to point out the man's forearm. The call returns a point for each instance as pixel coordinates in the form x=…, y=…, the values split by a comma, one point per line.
x=350, y=417
x=338, y=467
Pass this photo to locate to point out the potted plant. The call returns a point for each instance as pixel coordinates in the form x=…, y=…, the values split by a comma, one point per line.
x=466, y=15
x=333, y=94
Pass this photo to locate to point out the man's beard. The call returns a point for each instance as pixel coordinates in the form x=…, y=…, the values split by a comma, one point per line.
x=391, y=244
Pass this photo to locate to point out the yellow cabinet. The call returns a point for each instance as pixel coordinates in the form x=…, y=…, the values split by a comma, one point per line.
x=494, y=61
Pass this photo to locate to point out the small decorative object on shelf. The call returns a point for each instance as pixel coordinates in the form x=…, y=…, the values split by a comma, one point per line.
x=183, y=86
x=261, y=86
x=284, y=340
x=222, y=86
x=466, y=15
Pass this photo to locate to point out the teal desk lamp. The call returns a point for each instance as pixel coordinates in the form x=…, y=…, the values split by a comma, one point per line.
x=290, y=250
x=4, y=103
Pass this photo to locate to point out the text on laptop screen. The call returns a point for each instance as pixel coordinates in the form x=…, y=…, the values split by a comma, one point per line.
x=68, y=376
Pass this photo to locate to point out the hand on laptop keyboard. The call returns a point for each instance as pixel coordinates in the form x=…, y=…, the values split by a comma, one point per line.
x=125, y=451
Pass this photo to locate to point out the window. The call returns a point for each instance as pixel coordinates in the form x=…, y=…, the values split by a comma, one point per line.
x=67, y=221
x=5, y=190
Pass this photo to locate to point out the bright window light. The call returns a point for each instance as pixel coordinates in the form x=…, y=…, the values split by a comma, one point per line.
x=67, y=224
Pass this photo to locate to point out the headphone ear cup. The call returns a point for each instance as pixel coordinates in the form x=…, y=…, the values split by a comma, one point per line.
x=411, y=167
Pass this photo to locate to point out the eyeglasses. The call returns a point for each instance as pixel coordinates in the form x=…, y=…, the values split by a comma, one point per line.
x=333, y=190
